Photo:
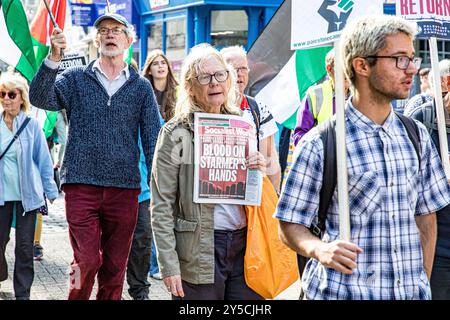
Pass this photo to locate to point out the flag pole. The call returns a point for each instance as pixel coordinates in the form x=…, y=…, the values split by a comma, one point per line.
x=108, y=7
x=442, y=132
x=341, y=147
x=55, y=24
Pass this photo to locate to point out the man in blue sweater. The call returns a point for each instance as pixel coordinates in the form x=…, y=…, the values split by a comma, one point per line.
x=107, y=105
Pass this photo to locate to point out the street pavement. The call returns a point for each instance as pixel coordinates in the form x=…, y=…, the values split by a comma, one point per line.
x=51, y=275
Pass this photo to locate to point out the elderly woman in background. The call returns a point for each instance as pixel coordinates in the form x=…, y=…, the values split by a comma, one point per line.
x=26, y=173
x=200, y=247
x=157, y=69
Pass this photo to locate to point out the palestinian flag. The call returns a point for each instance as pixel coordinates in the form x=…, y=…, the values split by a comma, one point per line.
x=41, y=31
x=42, y=27
x=279, y=76
x=285, y=92
x=16, y=45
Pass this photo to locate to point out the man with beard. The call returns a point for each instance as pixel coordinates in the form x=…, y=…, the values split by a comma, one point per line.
x=108, y=104
x=393, y=195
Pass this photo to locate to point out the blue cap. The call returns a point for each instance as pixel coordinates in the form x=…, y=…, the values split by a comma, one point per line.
x=114, y=16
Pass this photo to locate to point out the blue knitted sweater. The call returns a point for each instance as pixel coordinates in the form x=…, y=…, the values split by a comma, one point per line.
x=102, y=144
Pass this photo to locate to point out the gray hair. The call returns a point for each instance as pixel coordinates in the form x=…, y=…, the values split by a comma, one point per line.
x=227, y=52
x=367, y=35
x=191, y=68
x=444, y=70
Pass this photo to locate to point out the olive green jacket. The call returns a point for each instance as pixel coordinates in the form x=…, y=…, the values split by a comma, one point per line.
x=183, y=230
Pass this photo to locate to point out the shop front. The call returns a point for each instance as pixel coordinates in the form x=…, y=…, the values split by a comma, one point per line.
x=175, y=26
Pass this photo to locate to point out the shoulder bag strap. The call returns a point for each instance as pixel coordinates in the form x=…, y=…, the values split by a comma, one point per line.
x=24, y=124
x=413, y=133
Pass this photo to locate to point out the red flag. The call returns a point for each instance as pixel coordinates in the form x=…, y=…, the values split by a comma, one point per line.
x=42, y=26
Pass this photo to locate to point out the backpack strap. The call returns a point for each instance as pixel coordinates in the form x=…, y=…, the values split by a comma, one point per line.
x=413, y=133
x=24, y=124
x=329, y=181
x=327, y=134
x=254, y=109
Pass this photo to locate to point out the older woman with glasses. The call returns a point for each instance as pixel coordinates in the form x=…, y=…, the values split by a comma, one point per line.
x=26, y=173
x=200, y=247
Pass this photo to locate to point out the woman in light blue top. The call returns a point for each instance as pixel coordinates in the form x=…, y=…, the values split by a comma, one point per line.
x=26, y=173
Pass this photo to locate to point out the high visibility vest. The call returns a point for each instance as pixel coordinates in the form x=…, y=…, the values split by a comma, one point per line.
x=320, y=99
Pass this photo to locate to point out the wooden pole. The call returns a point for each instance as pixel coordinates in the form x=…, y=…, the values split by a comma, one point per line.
x=55, y=24
x=443, y=143
x=341, y=147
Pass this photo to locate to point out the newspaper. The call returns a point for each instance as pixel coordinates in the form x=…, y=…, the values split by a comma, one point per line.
x=221, y=145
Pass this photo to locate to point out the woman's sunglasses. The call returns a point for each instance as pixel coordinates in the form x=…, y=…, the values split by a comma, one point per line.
x=12, y=95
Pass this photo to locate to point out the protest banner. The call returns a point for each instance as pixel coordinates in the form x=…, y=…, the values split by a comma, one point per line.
x=222, y=143
x=433, y=21
x=431, y=16
x=72, y=60
x=320, y=22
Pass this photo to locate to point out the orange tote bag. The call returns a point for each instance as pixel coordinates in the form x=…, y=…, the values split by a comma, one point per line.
x=270, y=266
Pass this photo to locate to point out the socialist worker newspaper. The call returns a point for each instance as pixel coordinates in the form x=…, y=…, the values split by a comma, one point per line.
x=222, y=143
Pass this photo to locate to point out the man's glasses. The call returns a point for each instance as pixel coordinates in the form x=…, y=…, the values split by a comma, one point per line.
x=114, y=31
x=12, y=95
x=243, y=69
x=402, y=62
x=205, y=79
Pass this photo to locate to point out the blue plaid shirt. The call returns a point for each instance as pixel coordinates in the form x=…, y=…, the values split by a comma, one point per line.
x=386, y=191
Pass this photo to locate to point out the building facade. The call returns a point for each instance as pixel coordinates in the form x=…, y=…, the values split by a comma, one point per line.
x=175, y=26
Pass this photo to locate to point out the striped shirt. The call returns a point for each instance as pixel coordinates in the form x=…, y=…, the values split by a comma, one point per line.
x=386, y=191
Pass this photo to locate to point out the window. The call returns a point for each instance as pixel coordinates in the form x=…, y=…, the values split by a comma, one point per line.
x=229, y=28
x=424, y=51
x=154, y=36
x=176, y=43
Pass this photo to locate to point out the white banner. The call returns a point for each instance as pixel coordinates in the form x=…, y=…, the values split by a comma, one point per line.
x=155, y=4
x=320, y=22
x=432, y=16
x=72, y=60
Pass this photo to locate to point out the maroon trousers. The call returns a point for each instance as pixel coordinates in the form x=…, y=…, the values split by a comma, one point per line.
x=101, y=225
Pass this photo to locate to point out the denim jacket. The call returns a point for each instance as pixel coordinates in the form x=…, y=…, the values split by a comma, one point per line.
x=35, y=165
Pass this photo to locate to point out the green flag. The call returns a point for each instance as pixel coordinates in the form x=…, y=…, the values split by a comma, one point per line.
x=16, y=45
x=128, y=54
x=304, y=68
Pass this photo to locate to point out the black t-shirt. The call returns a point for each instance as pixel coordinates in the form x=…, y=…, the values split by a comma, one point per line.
x=159, y=96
